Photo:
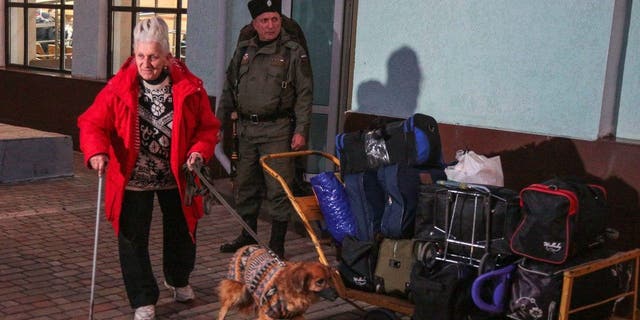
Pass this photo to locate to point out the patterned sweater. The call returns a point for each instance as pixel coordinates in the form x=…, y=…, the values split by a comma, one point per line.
x=155, y=110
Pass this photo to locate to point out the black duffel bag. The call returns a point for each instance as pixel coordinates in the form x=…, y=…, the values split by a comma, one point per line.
x=442, y=291
x=560, y=218
x=357, y=262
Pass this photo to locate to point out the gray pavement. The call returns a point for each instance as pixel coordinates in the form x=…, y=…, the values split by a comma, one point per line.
x=46, y=251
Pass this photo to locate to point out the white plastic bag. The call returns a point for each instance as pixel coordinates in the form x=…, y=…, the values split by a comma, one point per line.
x=476, y=168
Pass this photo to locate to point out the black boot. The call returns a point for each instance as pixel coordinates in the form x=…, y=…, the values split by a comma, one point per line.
x=278, y=232
x=243, y=239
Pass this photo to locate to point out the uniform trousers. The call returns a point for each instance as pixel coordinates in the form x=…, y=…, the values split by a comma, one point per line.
x=179, y=250
x=254, y=184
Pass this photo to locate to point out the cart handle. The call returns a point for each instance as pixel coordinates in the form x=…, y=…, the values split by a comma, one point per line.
x=296, y=206
x=295, y=154
x=292, y=154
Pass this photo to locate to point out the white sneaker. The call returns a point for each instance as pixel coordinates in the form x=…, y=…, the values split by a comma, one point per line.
x=181, y=294
x=145, y=313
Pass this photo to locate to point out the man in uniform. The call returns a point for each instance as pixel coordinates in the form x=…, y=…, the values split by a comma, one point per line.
x=269, y=88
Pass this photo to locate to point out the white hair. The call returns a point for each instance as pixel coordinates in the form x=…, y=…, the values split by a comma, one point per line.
x=153, y=29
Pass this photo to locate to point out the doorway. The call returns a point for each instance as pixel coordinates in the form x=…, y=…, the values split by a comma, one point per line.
x=322, y=22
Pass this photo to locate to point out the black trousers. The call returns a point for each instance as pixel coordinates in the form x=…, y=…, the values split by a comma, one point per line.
x=179, y=251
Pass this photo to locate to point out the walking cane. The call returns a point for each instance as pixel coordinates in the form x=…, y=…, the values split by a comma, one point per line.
x=95, y=247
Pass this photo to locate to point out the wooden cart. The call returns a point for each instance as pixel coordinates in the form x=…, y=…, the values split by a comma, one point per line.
x=309, y=212
x=578, y=271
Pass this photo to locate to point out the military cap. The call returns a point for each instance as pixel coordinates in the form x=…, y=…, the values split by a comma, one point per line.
x=258, y=7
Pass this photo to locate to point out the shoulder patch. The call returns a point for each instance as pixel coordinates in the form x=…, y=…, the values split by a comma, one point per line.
x=244, y=43
x=245, y=58
x=291, y=45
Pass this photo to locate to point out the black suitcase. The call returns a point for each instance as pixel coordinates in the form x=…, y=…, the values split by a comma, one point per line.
x=442, y=291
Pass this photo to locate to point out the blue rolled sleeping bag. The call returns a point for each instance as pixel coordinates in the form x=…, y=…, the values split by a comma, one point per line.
x=334, y=205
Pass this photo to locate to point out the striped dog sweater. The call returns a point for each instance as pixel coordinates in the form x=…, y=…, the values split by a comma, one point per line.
x=258, y=268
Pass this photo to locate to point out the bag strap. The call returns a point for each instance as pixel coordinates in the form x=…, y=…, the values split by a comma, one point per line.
x=553, y=190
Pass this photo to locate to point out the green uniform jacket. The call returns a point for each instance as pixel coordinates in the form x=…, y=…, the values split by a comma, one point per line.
x=259, y=74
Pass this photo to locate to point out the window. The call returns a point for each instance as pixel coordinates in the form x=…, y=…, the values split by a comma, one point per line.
x=40, y=34
x=124, y=14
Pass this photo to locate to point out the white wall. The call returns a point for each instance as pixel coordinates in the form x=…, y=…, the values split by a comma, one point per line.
x=629, y=116
x=516, y=65
x=90, y=39
x=213, y=29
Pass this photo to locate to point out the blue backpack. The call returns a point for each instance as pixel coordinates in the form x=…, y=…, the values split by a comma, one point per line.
x=414, y=141
x=381, y=167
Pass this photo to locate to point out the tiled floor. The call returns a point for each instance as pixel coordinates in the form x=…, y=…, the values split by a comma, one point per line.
x=46, y=253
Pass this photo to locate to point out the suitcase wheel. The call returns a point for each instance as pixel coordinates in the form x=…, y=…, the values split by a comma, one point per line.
x=426, y=253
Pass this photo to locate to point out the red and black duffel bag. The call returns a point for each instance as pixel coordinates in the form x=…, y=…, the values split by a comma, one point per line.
x=560, y=217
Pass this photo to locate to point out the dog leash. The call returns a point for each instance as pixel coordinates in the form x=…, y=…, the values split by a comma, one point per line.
x=202, y=172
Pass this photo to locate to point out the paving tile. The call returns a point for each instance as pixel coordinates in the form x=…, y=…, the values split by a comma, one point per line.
x=46, y=252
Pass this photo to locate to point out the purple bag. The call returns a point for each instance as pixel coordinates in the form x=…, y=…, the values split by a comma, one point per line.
x=497, y=283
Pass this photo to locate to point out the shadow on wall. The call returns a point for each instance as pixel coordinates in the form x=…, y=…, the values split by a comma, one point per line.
x=558, y=157
x=536, y=162
x=399, y=96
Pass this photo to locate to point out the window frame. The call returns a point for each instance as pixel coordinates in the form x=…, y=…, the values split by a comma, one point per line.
x=26, y=6
x=134, y=9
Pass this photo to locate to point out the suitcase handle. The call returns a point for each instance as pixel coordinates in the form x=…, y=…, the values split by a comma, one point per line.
x=503, y=279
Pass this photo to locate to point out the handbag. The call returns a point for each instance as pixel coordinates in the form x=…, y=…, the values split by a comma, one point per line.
x=560, y=218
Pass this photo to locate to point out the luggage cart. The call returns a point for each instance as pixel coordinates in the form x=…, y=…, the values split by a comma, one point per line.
x=465, y=228
x=309, y=212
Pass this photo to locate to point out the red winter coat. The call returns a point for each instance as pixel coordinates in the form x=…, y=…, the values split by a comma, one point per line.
x=110, y=126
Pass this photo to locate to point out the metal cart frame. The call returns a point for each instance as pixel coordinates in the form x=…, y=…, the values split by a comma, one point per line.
x=307, y=209
x=457, y=195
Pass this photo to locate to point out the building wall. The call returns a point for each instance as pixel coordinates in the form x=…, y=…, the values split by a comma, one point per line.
x=45, y=102
x=212, y=32
x=90, y=39
x=629, y=115
x=517, y=65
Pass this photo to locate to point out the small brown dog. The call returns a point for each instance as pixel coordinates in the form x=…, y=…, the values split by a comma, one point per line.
x=259, y=283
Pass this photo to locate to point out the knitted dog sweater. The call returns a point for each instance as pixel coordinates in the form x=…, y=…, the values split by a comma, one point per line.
x=257, y=268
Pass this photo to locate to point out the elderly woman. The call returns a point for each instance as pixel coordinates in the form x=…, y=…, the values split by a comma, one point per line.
x=150, y=119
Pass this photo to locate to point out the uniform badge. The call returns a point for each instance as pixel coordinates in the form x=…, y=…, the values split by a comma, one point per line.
x=269, y=3
x=245, y=58
x=305, y=65
x=278, y=61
